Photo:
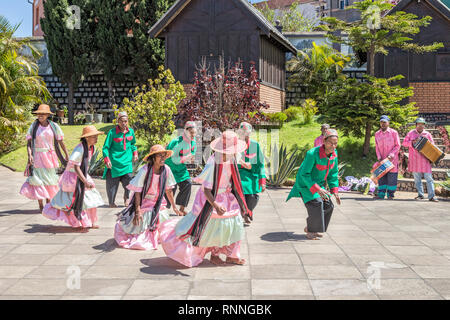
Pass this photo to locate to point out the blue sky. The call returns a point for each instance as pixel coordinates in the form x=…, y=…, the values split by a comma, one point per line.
x=17, y=11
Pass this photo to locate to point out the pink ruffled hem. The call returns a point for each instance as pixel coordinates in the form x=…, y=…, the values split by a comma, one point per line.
x=186, y=254
x=88, y=216
x=38, y=192
x=145, y=241
x=177, y=249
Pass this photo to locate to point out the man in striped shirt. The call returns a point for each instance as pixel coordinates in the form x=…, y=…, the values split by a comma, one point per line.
x=387, y=145
x=319, y=140
x=418, y=164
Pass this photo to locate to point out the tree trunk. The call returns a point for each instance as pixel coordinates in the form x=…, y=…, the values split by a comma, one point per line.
x=368, y=135
x=110, y=94
x=70, y=107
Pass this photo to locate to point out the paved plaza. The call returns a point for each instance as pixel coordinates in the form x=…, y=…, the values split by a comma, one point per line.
x=373, y=250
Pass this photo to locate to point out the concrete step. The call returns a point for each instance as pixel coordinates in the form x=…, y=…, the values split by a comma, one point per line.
x=440, y=146
x=437, y=141
x=444, y=164
x=439, y=174
x=407, y=184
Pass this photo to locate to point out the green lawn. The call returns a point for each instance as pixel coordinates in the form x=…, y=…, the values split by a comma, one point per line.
x=293, y=134
x=18, y=158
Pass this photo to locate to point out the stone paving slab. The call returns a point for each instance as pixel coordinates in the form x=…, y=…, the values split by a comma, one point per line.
x=405, y=244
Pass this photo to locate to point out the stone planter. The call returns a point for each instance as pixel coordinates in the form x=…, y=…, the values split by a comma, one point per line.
x=89, y=117
x=98, y=117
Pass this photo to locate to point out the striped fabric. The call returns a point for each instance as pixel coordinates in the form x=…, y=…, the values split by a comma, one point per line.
x=417, y=162
x=387, y=143
x=319, y=141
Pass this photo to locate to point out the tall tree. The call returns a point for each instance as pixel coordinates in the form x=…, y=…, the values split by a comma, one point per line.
x=376, y=32
x=20, y=85
x=124, y=49
x=67, y=28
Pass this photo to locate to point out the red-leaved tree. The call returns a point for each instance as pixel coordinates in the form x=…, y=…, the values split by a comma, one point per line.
x=224, y=99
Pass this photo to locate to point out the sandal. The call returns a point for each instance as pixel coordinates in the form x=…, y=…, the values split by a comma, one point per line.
x=237, y=261
x=311, y=236
x=216, y=260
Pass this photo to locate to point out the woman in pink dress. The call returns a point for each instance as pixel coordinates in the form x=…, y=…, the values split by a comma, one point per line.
x=77, y=200
x=137, y=225
x=215, y=222
x=45, y=138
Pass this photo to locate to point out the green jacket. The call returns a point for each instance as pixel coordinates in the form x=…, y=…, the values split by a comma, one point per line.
x=253, y=179
x=316, y=170
x=119, y=149
x=181, y=149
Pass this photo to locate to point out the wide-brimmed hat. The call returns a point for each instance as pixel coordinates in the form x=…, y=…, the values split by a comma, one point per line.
x=228, y=143
x=43, y=109
x=157, y=148
x=90, y=131
x=330, y=133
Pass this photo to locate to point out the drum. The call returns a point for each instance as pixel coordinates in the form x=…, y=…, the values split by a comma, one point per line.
x=428, y=150
x=381, y=169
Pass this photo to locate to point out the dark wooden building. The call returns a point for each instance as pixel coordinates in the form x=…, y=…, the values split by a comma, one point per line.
x=429, y=73
x=206, y=29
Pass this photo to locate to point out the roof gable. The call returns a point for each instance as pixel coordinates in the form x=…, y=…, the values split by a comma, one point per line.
x=442, y=6
x=266, y=27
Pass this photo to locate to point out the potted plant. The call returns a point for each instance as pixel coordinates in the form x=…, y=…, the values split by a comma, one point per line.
x=98, y=117
x=80, y=117
x=89, y=115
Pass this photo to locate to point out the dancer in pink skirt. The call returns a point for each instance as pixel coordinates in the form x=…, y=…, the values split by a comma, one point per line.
x=137, y=225
x=215, y=222
x=45, y=138
x=77, y=200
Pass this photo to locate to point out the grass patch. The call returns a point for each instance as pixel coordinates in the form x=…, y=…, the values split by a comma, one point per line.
x=295, y=134
x=18, y=158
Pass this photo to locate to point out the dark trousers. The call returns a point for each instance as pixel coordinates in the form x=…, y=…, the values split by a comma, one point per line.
x=387, y=184
x=251, y=200
x=184, y=194
x=319, y=214
x=112, y=185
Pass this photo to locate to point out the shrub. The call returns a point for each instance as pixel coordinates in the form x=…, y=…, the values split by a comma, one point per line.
x=292, y=113
x=308, y=110
x=153, y=106
x=279, y=117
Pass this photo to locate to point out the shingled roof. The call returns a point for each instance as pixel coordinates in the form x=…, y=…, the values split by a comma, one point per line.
x=443, y=6
x=267, y=28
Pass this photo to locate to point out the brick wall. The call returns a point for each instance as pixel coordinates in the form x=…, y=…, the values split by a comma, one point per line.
x=431, y=97
x=275, y=98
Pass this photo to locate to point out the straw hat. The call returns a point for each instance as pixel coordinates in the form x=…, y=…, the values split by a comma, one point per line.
x=228, y=143
x=43, y=109
x=157, y=148
x=89, y=131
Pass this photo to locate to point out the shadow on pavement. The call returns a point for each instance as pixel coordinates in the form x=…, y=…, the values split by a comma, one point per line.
x=163, y=266
x=39, y=228
x=283, y=236
x=107, y=246
x=11, y=212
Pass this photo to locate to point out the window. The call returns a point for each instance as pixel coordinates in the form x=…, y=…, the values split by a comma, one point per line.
x=37, y=17
x=347, y=3
x=341, y=4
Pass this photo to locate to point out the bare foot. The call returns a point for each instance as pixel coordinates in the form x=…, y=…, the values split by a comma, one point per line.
x=311, y=236
x=216, y=260
x=82, y=229
x=318, y=235
x=95, y=226
x=237, y=261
